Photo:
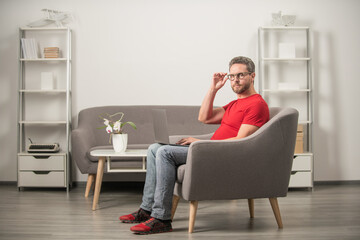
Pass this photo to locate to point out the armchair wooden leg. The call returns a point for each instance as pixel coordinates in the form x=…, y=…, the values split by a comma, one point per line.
x=89, y=183
x=193, y=209
x=276, y=210
x=174, y=205
x=251, y=207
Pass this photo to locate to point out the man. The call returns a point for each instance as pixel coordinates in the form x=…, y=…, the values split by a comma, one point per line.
x=238, y=119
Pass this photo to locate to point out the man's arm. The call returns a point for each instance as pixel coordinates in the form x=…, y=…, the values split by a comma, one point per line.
x=207, y=113
x=244, y=131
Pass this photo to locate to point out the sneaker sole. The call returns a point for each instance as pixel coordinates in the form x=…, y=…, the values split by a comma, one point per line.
x=153, y=232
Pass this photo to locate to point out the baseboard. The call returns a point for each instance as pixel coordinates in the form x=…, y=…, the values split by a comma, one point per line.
x=349, y=182
x=8, y=183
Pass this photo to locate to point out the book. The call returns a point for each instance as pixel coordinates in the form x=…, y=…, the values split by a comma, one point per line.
x=51, y=52
x=29, y=48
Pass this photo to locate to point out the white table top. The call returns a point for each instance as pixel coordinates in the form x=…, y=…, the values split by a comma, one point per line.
x=112, y=153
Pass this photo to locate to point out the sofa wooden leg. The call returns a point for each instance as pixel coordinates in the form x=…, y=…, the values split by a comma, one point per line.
x=89, y=183
x=251, y=207
x=99, y=176
x=174, y=205
x=193, y=209
x=276, y=210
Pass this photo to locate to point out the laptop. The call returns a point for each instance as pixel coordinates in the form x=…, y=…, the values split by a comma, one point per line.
x=161, y=127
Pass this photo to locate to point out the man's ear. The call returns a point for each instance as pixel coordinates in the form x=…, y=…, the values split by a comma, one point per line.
x=253, y=77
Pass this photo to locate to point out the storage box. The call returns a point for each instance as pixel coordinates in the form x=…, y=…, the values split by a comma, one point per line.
x=299, y=146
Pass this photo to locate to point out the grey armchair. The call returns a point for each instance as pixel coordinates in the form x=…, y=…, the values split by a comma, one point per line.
x=258, y=166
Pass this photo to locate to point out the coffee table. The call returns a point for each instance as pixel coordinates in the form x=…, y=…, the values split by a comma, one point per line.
x=106, y=155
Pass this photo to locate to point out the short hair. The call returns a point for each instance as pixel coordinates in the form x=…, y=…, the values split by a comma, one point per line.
x=250, y=66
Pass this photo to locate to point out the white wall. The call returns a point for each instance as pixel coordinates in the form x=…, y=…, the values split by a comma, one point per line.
x=164, y=52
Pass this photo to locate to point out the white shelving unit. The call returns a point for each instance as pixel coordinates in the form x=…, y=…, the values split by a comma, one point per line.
x=44, y=115
x=276, y=68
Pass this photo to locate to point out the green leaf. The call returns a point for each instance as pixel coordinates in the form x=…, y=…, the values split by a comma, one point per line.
x=130, y=123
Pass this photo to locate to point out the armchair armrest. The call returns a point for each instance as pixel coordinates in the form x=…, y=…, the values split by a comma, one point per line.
x=82, y=139
x=174, y=139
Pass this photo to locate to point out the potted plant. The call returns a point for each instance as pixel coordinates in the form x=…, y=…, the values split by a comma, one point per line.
x=115, y=129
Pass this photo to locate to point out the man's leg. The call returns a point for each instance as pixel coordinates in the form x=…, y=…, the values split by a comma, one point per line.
x=150, y=180
x=143, y=213
x=167, y=161
x=168, y=158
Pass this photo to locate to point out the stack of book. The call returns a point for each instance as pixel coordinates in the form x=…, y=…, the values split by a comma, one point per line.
x=51, y=52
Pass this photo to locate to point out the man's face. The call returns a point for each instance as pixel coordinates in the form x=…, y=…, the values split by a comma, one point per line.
x=239, y=85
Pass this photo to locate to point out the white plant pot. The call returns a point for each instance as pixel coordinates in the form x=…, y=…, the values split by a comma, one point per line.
x=119, y=142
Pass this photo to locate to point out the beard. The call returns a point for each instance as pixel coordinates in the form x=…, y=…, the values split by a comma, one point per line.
x=240, y=88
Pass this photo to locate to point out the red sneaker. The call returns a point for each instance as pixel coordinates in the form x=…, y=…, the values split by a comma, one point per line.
x=135, y=217
x=151, y=226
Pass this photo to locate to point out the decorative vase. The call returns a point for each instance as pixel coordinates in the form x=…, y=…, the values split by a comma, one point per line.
x=119, y=142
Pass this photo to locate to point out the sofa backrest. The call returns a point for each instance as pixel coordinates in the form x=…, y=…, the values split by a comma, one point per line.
x=182, y=120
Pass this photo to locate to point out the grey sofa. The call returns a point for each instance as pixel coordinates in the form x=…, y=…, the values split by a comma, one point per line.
x=258, y=166
x=182, y=120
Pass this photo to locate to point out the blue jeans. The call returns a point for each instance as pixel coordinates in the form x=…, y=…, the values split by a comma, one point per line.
x=162, y=163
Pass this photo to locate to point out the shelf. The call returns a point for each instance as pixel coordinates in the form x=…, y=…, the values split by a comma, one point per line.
x=54, y=112
x=42, y=91
x=275, y=68
x=303, y=154
x=42, y=154
x=284, y=28
x=305, y=122
x=43, y=28
x=286, y=59
x=43, y=59
x=285, y=90
x=42, y=122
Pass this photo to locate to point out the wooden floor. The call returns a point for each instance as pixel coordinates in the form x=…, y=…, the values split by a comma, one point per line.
x=328, y=212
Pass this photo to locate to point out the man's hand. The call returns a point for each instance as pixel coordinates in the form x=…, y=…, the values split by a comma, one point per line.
x=219, y=80
x=187, y=141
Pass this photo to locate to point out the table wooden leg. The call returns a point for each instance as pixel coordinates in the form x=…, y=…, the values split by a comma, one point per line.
x=99, y=175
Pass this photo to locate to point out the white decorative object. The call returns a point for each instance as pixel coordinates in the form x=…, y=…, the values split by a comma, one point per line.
x=286, y=50
x=51, y=16
x=47, y=81
x=119, y=142
x=276, y=18
x=288, y=20
x=283, y=20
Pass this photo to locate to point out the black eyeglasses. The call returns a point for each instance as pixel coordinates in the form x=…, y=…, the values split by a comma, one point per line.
x=240, y=75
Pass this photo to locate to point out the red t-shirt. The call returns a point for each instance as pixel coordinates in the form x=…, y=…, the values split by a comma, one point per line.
x=252, y=110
